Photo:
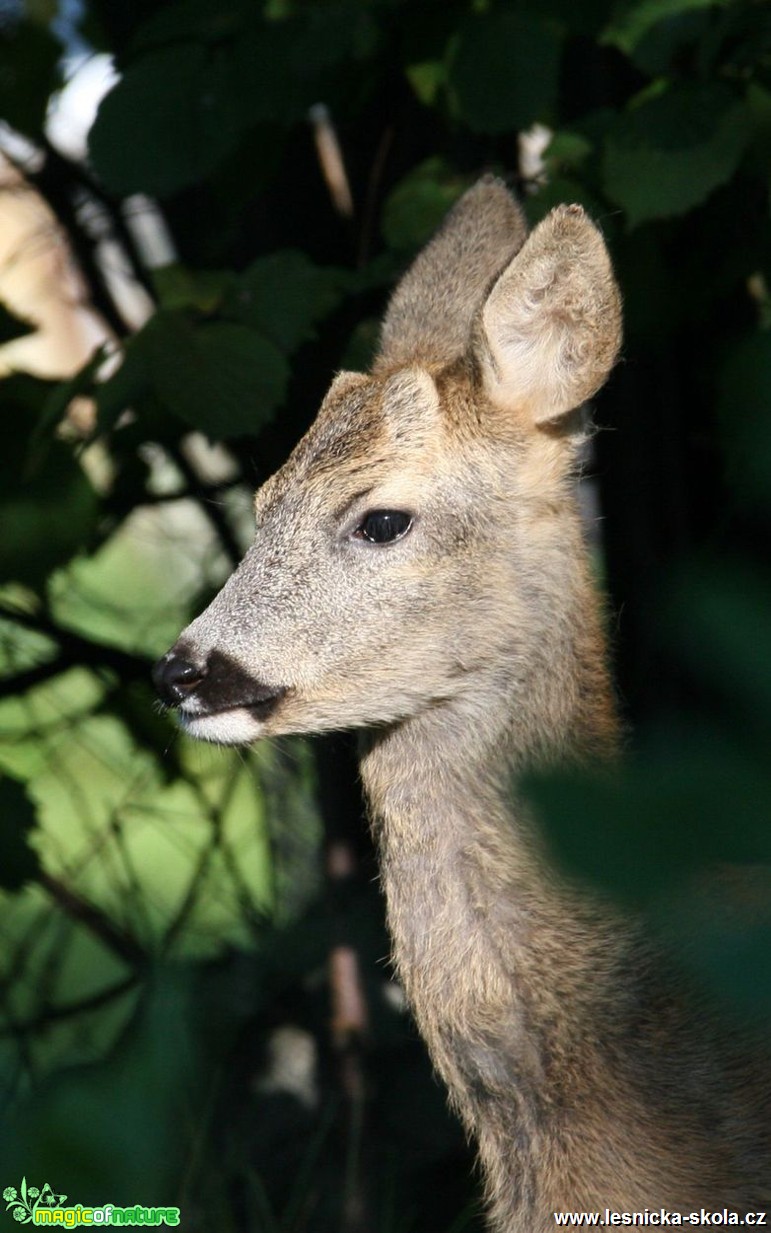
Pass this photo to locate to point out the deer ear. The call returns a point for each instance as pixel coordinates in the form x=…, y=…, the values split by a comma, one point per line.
x=550, y=329
x=432, y=310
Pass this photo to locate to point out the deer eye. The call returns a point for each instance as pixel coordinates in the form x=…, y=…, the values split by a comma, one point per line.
x=383, y=526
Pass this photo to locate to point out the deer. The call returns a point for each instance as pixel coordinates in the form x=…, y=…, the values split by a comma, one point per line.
x=419, y=572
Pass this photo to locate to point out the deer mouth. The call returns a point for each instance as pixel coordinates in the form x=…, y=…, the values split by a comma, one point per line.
x=231, y=723
x=260, y=704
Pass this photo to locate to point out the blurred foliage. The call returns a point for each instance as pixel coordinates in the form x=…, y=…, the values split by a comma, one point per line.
x=166, y=925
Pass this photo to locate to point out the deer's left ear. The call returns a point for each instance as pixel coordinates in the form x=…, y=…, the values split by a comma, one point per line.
x=550, y=329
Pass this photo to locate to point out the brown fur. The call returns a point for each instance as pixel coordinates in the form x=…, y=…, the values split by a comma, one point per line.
x=468, y=650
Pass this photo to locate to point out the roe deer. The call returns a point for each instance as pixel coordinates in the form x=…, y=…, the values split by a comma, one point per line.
x=418, y=570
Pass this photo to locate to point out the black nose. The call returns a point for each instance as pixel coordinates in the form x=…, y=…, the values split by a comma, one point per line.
x=175, y=678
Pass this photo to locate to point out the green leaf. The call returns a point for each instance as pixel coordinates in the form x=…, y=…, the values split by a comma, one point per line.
x=52, y=510
x=679, y=808
x=426, y=79
x=503, y=70
x=18, y=861
x=719, y=621
x=156, y=1065
x=722, y=931
x=282, y=295
x=177, y=286
x=668, y=153
x=417, y=205
x=225, y=380
x=12, y=327
x=567, y=149
x=740, y=44
x=168, y=122
x=672, y=41
x=634, y=19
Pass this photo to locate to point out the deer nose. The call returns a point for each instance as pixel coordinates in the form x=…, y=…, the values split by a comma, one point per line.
x=174, y=678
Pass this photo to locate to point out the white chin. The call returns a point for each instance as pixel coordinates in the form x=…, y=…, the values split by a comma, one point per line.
x=235, y=727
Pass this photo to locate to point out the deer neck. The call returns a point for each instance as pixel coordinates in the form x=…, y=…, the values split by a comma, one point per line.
x=490, y=947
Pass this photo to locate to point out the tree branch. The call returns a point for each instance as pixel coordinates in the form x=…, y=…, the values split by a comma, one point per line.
x=70, y=1010
x=74, y=650
x=87, y=914
x=20, y=682
x=120, y=505
x=61, y=182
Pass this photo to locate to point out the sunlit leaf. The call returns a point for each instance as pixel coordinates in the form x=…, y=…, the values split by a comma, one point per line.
x=426, y=79
x=180, y=287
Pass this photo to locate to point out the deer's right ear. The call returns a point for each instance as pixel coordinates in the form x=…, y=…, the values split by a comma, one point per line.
x=550, y=329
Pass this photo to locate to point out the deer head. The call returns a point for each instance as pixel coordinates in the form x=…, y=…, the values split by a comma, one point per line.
x=390, y=561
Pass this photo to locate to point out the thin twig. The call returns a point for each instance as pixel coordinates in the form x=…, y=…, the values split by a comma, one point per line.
x=20, y=682
x=75, y=649
x=373, y=189
x=71, y=1010
x=92, y=917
